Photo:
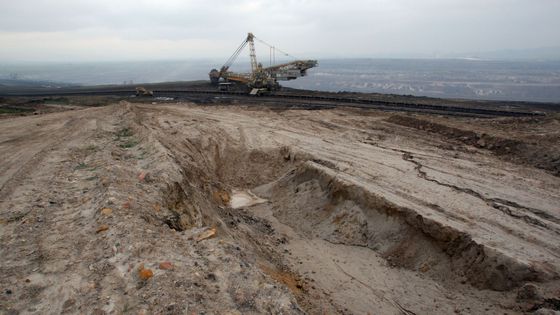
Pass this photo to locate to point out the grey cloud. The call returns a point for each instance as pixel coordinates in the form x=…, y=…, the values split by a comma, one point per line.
x=305, y=27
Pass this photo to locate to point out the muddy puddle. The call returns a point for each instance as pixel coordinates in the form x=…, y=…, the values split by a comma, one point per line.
x=244, y=198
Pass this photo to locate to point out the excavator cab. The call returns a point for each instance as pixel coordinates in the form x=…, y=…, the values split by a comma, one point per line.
x=214, y=76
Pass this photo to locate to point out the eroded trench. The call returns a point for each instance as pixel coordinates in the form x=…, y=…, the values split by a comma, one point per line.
x=319, y=204
x=311, y=198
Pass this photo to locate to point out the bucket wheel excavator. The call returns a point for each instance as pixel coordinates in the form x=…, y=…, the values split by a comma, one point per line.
x=260, y=79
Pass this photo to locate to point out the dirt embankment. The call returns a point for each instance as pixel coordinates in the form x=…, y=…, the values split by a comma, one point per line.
x=543, y=152
x=104, y=220
x=178, y=209
x=317, y=202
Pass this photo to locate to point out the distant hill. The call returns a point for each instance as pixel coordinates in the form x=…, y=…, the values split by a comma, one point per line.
x=11, y=85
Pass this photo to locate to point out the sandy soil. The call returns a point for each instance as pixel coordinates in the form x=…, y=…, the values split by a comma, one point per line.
x=185, y=209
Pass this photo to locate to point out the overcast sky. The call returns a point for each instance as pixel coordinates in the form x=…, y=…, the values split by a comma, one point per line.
x=100, y=30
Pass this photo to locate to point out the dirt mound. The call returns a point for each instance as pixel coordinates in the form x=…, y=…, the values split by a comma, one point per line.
x=540, y=155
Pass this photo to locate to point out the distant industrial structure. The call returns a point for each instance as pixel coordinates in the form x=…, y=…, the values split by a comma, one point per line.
x=260, y=79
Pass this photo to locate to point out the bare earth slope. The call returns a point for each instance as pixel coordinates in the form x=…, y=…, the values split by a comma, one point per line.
x=181, y=209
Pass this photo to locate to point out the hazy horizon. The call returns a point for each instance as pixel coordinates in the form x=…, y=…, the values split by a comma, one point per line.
x=126, y=30
x=549, y=54
x=448, y=78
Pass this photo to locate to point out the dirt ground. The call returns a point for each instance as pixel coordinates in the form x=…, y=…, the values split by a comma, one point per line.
x=187, y=209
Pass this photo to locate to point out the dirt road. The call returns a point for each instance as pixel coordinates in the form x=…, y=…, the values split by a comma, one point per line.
x=182, y=209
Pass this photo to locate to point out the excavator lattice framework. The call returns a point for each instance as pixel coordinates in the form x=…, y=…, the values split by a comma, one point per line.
x=260, y=78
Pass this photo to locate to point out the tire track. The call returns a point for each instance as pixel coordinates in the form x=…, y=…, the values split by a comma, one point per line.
x=25, y=170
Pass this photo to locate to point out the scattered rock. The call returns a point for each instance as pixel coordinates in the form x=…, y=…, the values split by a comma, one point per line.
x=529, y=291
x=209, y=233
x=166, y=265
x=97, y=311
x=106, y=211
x=171, y=307
x=141, y=176
x=481, y=143
x=101, y=228
x=222, y=196
x=145, y=273
x=68, y=304
x=424, y=268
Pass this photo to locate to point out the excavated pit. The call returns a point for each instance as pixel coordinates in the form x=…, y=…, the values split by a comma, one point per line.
x=231, y=185
x=316, y=202
x=308, y=195
x=227, y=184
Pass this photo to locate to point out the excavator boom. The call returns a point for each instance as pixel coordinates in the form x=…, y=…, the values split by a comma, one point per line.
x=291, y=70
